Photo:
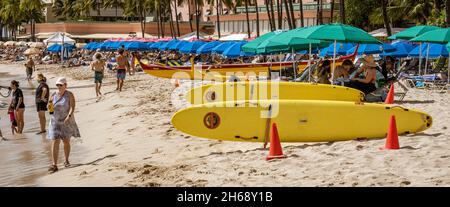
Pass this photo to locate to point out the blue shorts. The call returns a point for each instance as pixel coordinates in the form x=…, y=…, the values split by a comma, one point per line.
x=121, y=73
x=98, y=77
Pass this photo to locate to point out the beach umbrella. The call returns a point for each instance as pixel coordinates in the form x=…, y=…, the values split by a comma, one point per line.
x=235, y=50
x=10, y=43
x=104, y=46
x=32, y=51
x=37, y=45
x=402, y=49
x=253, y=45
x=116, y=45
x=432, y=50
x=177, y=45
x=166, y=45
x=413, y=32
x=440, y=36
x=191, y=47
x=337, y=33
x=341, y=49
x=208, y=47
x=222, y=47
x=149, y=44
x=156, y=45
x=372, y=49
x=57, y=47
x=448, y=69
x=134, y=46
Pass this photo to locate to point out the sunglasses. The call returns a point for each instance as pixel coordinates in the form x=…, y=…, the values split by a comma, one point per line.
x=59, y=85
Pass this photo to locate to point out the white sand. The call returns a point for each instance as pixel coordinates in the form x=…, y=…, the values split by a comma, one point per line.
x=128, y=141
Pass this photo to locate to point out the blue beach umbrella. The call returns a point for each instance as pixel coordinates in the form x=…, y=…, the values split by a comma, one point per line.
x=219, y=49
x=164, y=46
x=149, y=45
x=115, y=45
x=177, y=45
x=156, y=45
x=135, y=46
x=435, y=51
x=402, y=49
x=191, y=47
x=207, y=48
x=341, y=49
x=372, y=49
x=104, y=46
x=235, y=50
x=57, y=47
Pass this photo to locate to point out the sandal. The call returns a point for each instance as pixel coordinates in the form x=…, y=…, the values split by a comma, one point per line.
x=53, y=169
x=66, y=164
x=41, y=132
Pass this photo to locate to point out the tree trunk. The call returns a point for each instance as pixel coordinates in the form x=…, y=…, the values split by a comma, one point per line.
x=332, y=11
x=280, y=15
x=273, y=14
x=288, y=15
x=257, y=18
x=161, y=21
x=266, y=2
x=447, y=12
x=342, y=11
x=176, y=18
x=291, y=7
x=33, y=30
x=217, y=18
x=157, y=22
x=172, y=27
x=318, y=12
x=247, y=18
x=190, y=15
x=302, y=22
x=98, y=8
x=321, y=12
x=117, y=13
x=197, y=19
x=385, y=17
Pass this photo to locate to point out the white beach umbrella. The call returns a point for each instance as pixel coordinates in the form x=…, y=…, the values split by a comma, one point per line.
x=32, y=51
x=37, y=45
x=10, y=43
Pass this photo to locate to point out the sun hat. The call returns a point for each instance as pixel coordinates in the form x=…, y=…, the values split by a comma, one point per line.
x=61, y=80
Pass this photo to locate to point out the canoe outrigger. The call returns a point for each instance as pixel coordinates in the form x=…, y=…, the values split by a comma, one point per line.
x=224, y=70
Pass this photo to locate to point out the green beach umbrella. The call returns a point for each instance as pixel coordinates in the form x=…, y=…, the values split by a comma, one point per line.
x=289, y=41
x=440, y=36
x=251, y=46
x=413, y=32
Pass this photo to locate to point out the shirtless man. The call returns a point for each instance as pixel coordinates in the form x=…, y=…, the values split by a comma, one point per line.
x=122, y=67
x=98, y=66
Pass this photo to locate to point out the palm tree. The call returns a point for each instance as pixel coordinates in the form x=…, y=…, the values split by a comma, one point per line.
x=342, y=11
x=257, y=18
x=302, y=23
x=288, y=15
x=272, y=11
x=447, y=12
x=291, y=8
x=176, y=17
x=332, y=11
x=65, y=8
x=11, y=15
x=139, y=8
x=269, y=16
x=114, y=4
x=32, y=11
x=247, y=17
x=280, y=14
x=385, y=17
x=318, y=12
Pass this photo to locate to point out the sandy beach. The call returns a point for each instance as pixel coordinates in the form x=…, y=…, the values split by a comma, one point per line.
x=128, y=140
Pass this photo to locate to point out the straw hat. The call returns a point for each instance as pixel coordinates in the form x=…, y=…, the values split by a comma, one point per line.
x=368, y=60
x=61, y=80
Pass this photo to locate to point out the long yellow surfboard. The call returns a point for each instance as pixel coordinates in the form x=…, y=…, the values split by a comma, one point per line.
x=297, y=120
x=256, y=90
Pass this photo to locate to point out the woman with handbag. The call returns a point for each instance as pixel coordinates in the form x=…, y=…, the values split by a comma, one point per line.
x=62, y=124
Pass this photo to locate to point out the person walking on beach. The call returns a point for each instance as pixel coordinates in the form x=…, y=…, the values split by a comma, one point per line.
x=30, y=67
x=122, y=67
x=42, y=96
x=17, y=103
x=62, y=124
x=98, y=66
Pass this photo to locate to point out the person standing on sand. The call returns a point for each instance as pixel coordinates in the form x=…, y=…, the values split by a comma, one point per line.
x=30, y=67
x=98, y=66
x=17, y=103
x=62, y=124
x=122, y=67
x=42, y=96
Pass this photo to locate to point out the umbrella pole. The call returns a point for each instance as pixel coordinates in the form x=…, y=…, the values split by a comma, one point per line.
x=295, y=65
x=309, y=64
x=334, y=61
x=448, y=70
x=420, y=57
x=426, y=59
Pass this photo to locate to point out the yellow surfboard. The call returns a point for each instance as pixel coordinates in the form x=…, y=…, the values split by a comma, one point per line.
x=297, y=120
x=255, y=90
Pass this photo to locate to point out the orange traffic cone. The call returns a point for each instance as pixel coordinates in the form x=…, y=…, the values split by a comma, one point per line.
x=392, y=136
x=275, y=151
x=390, y=96
x=177, y=83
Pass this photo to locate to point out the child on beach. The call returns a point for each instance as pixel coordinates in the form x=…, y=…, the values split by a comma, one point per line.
x=12, y=118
